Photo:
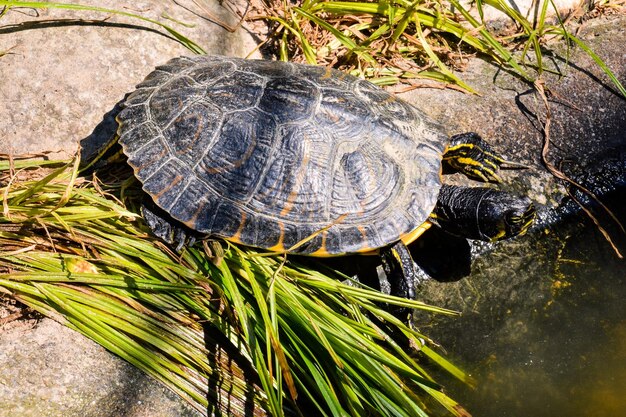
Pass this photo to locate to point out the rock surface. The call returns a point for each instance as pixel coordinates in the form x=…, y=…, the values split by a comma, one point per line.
x=60, y=75
x=588, y=115
x=50, y=370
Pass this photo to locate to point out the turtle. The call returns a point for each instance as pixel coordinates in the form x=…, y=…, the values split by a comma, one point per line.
x=304, y=159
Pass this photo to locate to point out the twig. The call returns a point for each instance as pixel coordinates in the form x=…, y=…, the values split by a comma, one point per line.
x=10, y=318
x=539, y=86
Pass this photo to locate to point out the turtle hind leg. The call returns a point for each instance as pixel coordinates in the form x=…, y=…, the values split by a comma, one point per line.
x=470, y=154
x=482, y=213
x=400, y=270
x=167, y=228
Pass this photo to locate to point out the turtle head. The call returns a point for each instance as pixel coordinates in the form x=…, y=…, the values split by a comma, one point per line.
x=501, y=215
x=482, y=213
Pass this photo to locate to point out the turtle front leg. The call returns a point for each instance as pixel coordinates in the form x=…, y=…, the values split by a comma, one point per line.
x=166, y=228
x=470, y=154
x=400, y=270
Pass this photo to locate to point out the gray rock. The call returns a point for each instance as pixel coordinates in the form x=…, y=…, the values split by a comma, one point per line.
x=50, y=370
x=61, y=75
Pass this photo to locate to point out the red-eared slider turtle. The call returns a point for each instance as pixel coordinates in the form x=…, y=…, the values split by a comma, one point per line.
x=303, y=159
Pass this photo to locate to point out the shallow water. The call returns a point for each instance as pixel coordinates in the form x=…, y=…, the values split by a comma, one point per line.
x=543, y=329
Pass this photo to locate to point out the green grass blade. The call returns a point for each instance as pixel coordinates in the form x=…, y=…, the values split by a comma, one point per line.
x=296, y=330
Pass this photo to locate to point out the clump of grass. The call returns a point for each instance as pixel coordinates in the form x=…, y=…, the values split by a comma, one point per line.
x=256, y=332
x=393, y=41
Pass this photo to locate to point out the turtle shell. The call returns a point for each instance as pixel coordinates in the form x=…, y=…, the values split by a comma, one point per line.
x=282, y=156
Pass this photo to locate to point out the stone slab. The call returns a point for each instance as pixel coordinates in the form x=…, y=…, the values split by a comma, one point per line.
x=61, y=75
x=50, y=370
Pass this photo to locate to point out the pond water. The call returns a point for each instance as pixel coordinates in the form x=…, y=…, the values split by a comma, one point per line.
x=543, y=324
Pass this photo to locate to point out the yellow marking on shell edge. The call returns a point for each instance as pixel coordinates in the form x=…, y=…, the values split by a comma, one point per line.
x=323, y=231
x=280, y=245
x=234, y=239
x=322, y=252
x=237, y=236
x=327, y=74
x=414, y=234
x=367, y=250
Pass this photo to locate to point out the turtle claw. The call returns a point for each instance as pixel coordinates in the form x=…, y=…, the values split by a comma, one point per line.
x=481, y=173
x=506, y=164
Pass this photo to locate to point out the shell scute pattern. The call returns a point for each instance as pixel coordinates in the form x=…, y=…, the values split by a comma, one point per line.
x=229, y=219
x=269, y=153
x=342, y=113
x=395, y=114
x=134, y=116
x=265, y=231
x=240, y=153
x=145, y=130
x=149, y=159
x=154, y=79
x=179, y=64
x=195, y=205
x=387, y=229
x=166, y=183
x=364, y=185
x=138, y=97
x=364, y=236
x=193, y=131
x=327, y=78
x=239, y=91
x=172, y=99
x=291, y=178
x=267, y=69
x=289, y=100
x=206, y=75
